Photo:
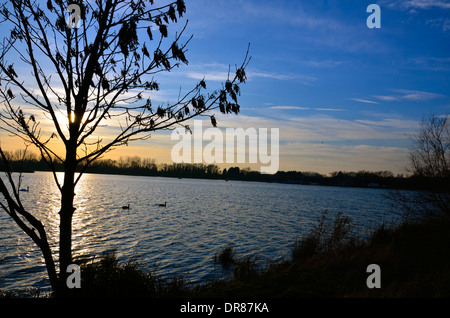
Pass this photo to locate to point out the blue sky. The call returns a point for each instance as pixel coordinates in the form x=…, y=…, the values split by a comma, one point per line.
x=345, y=97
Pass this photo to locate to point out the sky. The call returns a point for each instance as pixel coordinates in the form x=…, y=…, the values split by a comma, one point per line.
x=345, y=97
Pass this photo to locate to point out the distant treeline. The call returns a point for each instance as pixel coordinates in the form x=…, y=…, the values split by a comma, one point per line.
x=148, y=167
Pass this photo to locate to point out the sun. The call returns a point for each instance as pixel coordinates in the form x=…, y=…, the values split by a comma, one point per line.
x=63, y=118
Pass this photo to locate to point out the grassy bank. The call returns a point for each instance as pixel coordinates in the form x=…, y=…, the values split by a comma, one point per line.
x=414, y=259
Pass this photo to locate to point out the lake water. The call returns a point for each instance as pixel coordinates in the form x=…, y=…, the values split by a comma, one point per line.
x=201, y=217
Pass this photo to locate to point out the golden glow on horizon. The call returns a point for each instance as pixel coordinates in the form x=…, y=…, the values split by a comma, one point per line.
x=295, y=152
x=319, y=158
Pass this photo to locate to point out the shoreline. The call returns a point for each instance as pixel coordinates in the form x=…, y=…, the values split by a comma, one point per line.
x=413, y=256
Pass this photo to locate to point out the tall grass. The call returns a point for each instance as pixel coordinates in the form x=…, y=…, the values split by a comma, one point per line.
x=110, y=278
x=246, y=269
x=328, y=262
x=325, y=236
x=226, y=257
x=243, y=269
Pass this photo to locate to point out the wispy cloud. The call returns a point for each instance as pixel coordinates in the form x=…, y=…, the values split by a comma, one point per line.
x=290, y=107
x=387, y=98
x=408, y=95
x=326, y=158
x=393, y=123
x=417, y=95
x=322, y=63
x=418, y=4
x=281, y=77
x=301, y=78
x=324, y=143
x=318, y=127
x=431, y=63
x=440, y=23
x=306, y=108
x=363, y=100
x=220, y=72
x=331, y=109
x=208, y=76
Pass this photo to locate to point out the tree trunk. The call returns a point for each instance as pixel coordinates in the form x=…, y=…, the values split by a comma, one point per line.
x=50, y=265
x=66, y=213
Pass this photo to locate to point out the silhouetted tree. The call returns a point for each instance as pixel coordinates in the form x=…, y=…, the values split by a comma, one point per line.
x=430, y=166
x=99, y=72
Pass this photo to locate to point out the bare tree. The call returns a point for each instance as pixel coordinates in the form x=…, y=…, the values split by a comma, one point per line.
x=430, y=167
x=98, y=72
x=430, y=154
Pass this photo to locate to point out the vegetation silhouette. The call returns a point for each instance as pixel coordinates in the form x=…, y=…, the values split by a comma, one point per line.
x=138, y=166
x=330, y=261
x=430, y=167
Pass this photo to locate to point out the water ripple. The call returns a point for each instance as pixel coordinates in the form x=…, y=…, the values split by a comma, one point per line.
x=201, y=217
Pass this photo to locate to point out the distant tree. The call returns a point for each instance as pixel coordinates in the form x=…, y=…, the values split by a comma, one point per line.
x=430, y=167
x=98, y=72
x=430, y=154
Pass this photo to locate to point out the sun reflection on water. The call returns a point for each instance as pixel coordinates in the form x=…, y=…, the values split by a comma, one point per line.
x=48, y=203
x=83, y=224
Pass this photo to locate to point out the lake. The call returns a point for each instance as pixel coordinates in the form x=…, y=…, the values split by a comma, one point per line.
x=201, y=218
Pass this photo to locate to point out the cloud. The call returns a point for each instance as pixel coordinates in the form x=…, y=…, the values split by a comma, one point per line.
x=219, y=72
x=408, y=95
x=331, y=109
x=419, y=96
x=290, y=107
x=305, y=79
x=431, y=63
x=315, y=142
x=318, y=127
x=387, y=98
x=322, y=63
x=363, y=101
x=425, y=4
x=208, y=76
x=325, y=158
x=392, y=123
x=281, y=77
x=324, y=144
x=440, y=23
x=306, y=108
x=416, y=4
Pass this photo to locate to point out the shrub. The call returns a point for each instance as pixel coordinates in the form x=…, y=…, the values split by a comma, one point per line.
x=324, y=237
x=226, y=257
x=246, y=269
x=110, y=278
x=305, y=248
